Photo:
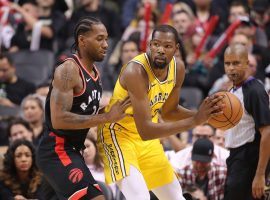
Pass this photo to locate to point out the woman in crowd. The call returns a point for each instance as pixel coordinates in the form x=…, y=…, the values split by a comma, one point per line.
x=92, y=159
x=20, y=178
x=19, y=129
x=33, y=112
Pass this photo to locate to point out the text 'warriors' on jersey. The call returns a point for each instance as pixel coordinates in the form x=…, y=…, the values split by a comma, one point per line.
x=158, y=92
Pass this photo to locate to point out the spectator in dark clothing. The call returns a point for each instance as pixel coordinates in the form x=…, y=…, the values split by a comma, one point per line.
x=33, y=33
x=94, y=9
x=12, y=88
x=20, y=178
x=52, y=18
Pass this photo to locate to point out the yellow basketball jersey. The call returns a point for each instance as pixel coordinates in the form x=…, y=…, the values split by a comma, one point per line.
x=157, y=94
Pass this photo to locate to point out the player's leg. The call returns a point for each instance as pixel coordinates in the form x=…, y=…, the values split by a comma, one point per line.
x=172, y=191
x=133, y=186
x=66, y=171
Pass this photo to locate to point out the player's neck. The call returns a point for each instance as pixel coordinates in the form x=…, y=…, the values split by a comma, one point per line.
x=161, y=74
x=87, y=63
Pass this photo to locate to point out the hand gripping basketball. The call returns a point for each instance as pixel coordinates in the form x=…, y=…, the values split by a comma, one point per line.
x=232, y=112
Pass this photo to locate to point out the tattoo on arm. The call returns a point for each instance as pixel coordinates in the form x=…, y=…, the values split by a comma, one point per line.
x=66, y=79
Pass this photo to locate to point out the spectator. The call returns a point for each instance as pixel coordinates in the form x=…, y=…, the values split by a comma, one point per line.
x=183, y=157
x=92, y=159
x=20, y=178
x=31, y=33
x=208, y=176
x=135, y=9
x=19, y=129
x=12, y=88
x=182, y=21
x=54, y=21
x=239, y=9
x=196, y=192
x=94, y=8
x=205, y=9
x=33, y=112
x=128, y=50
x=219, y=138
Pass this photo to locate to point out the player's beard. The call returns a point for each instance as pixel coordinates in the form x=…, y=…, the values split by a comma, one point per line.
x=159, y=65
x=95, y=56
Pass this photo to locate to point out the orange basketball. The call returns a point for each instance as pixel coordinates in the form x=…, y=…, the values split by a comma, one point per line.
x=232, y=112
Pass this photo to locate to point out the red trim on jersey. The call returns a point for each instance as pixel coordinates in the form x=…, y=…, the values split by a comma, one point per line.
x=60, y=150
x=97, y=75
x=82, y=77
x=77, y=195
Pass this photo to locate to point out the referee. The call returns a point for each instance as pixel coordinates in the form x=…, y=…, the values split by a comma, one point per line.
x=248, y=141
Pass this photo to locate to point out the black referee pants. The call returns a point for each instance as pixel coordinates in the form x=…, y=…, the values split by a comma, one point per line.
x=241, y=169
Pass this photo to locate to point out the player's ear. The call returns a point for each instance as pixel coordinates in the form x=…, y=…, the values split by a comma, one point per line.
x=81, y=40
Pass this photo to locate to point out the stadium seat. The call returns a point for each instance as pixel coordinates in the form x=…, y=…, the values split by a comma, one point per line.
x=34, y=66
x=192, y=97
x=6, y=111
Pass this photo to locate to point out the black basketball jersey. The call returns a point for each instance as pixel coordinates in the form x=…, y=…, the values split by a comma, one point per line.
x=84, y=103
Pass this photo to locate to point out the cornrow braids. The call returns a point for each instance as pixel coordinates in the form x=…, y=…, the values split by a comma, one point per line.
x=83, y=26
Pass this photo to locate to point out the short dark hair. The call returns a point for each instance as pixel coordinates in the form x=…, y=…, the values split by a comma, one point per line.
x=18, y=121
x=7, y=56
x=83, y=26
x=166, y=28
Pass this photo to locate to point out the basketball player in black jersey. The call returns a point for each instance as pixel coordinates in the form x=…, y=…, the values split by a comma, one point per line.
x=72, y=107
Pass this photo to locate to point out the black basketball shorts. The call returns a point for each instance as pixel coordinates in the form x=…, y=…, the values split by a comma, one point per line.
x=65, y=170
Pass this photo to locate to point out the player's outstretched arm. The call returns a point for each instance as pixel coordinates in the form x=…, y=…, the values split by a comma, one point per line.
x=66, y=79
x=171, y=110
x=134, y=79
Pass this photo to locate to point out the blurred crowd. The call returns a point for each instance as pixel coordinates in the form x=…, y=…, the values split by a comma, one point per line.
x=31, y=29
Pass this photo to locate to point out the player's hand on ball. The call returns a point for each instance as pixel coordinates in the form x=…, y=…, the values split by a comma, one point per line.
x=117, y=110
x=209, y=108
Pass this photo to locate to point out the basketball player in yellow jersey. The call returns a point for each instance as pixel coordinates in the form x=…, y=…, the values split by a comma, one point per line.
x=131, y=150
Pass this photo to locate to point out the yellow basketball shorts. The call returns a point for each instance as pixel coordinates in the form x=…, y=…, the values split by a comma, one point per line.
x=119, y=149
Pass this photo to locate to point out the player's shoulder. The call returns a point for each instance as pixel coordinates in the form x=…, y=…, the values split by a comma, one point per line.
x=134, y=68
x=67, y=66
x=180, y=72
x=180, y=66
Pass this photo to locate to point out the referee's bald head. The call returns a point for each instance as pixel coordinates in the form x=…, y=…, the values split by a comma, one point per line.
x=237, y=49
